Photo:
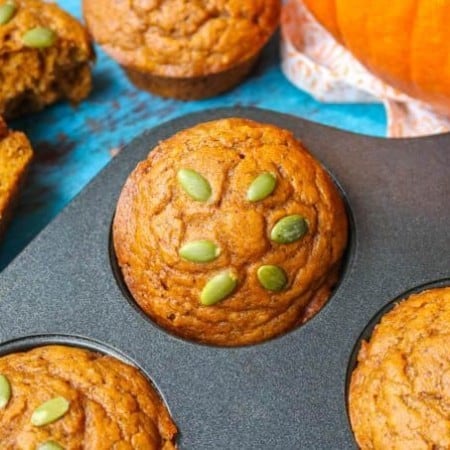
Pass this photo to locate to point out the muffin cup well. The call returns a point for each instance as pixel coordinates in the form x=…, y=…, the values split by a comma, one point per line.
x=175, y=302
x=149, y=390
x=195, y=88
x=314, y=309
x=367, y=332
x=27, y=343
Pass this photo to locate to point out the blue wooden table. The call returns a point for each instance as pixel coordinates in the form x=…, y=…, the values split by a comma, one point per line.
x=73, y=144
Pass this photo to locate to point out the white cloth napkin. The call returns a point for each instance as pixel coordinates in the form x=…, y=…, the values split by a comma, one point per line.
x=315, y=62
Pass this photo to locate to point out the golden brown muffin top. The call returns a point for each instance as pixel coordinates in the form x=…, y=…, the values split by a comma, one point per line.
x=180, y=38
x=26, y=71
x=400, y=389
x=155, y=218
x=111, y=404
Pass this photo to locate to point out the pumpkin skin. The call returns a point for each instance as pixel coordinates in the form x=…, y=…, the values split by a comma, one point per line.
x=404, y=42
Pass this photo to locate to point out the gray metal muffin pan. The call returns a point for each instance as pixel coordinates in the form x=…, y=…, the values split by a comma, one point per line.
x=290, y=392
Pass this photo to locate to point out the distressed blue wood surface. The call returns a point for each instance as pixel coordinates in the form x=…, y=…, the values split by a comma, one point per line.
x=73, y=145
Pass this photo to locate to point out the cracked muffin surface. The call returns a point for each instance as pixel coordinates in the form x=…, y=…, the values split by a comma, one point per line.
x=35, y=73
x=182, y=38
x=111, y=404
x=156, y=219
x=183, y=49
x=399, y=396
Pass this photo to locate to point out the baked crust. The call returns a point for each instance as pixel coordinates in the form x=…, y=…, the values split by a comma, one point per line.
x=154, y=218
x=182, y=39
x=34, y=78
x=112, y=405
x=399, y=396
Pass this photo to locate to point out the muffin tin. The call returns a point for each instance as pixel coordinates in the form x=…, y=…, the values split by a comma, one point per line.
x=289, y=392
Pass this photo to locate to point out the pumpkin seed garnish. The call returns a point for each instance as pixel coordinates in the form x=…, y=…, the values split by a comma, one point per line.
x=7, y=12
x=50, y=445
x=262, y=186
x=50, y=411
x=39, y=37
x=272, y=278
x=200, y=251
x=5, y=391
x=289, y=229
x=218, y=288
x=195, y=185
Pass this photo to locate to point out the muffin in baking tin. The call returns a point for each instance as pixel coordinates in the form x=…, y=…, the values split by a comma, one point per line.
x=230, y=233
x=399, y=394
x=58, y=397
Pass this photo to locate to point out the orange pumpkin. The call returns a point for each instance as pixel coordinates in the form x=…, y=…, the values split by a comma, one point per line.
x=405, y=42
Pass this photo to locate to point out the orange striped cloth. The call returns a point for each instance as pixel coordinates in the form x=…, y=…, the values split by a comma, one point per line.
x=313, y=61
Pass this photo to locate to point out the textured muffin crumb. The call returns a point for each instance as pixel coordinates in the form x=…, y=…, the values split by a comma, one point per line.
x=15, y=157
x=32, y=78
x=399, y=395
x=111, y=404
x=177, y=38
x=155, y=218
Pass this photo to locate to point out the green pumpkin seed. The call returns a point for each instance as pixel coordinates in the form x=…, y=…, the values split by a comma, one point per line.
x=39, y=37
x=50, y=445
x=218, y=288
x=272, y=278
x=262, y=186
x=7, y=12
x=289, y=229
x=200, y=251
x=50, y=411
x=195, y=185
x=5, y=391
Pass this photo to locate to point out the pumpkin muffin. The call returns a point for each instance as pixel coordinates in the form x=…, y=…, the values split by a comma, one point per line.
x=45, y=56
x=77, y=399
x=399, y=396
x=230, y=233
x=183, y=49
x=15, y=157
